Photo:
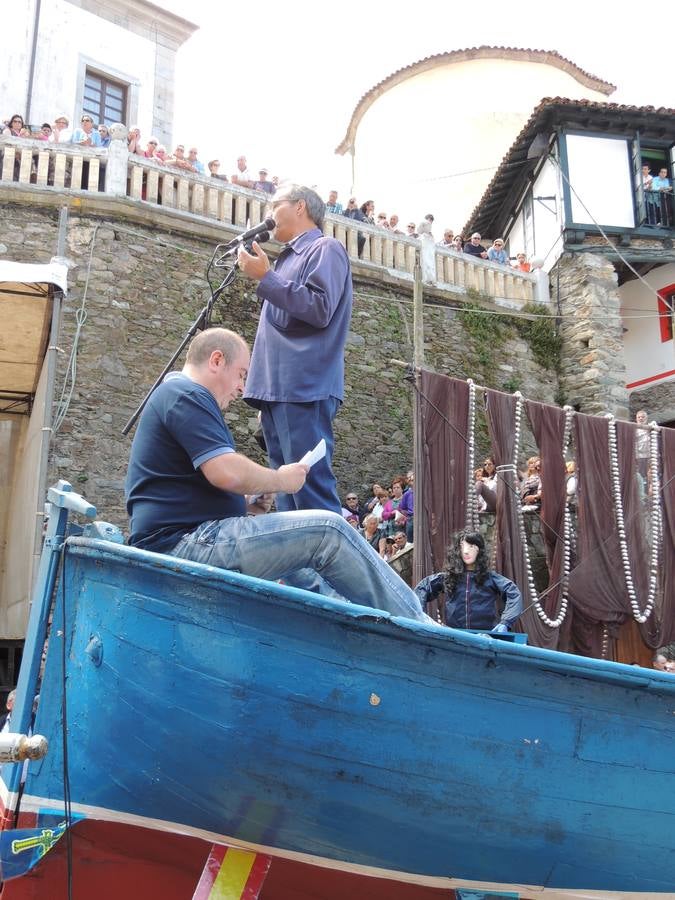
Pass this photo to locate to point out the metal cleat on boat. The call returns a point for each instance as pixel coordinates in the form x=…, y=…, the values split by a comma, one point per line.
x=15, y=748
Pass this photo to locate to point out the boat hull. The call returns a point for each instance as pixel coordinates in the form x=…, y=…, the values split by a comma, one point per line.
x=238, y=711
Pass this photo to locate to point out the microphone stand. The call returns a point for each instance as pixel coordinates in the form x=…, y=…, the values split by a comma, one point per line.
x=202, y=321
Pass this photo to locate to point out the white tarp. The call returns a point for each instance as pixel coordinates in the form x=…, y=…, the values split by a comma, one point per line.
x=34, y=273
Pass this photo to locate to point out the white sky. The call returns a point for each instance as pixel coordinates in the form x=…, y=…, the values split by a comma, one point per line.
x=278, y=82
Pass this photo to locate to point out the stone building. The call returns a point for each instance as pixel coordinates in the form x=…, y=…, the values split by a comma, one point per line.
x=446, y=121
x=137, y=239
x=114, y=60
x=574, y=191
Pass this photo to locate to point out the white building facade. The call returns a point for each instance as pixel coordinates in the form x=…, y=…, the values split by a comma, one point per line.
x=114, y=60
x=430, y=136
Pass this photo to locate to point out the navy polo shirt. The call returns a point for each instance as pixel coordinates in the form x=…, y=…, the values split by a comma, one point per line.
x=180, y=428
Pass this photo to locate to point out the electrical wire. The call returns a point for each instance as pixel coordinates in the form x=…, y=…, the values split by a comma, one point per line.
x=602, y=231
x=70, y=378
x=513, y=313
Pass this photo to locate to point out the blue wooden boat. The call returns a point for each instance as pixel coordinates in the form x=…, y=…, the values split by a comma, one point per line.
x=204, y=705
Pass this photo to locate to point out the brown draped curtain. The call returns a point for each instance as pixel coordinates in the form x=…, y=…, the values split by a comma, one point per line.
x=444, y=410
x=548, y=427
x=500, y=411
x=599, y=601
x=597, y=584
x=667, y=611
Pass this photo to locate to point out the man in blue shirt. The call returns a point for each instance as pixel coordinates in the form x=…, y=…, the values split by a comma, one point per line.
x=297, y=367
x=186, y=487
x=332, y=205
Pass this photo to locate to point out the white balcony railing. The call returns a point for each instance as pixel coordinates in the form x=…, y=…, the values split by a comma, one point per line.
x=113, y=171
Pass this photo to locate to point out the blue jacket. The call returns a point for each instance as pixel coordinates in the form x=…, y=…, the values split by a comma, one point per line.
x=299, y=349
x=474, y=605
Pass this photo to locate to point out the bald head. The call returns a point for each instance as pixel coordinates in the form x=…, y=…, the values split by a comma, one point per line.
x=206, y=342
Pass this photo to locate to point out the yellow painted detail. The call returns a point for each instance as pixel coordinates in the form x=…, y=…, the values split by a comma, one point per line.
x=233, y=875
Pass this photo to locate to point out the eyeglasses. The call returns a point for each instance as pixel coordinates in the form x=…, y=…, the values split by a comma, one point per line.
x=352, y=498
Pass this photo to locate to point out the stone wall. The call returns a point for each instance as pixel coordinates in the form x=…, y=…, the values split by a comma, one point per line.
x=141, y=287
x=657, y=399
x=593, y=374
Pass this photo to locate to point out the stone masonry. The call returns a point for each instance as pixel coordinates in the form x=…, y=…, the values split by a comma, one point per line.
x=593, y=376
x=141, y=287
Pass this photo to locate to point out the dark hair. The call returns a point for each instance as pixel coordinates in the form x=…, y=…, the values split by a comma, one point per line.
x=16, y=116
x=455, y=568
x=364, y=206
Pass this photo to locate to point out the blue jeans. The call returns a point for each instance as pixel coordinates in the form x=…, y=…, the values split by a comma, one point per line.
x=290, y=430
x=298, y=547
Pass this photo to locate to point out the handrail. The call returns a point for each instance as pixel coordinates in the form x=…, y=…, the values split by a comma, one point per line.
x=114, y=171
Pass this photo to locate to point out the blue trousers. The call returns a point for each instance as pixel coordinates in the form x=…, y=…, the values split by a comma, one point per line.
x=312, y=550
x=290, y=430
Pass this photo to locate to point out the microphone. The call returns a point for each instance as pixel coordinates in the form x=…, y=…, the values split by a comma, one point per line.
x=262, y=238
x=252, y=233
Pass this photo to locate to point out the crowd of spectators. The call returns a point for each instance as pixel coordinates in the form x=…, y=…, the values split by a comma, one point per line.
x=88, y=134
x=385, y=519
x=365, y=212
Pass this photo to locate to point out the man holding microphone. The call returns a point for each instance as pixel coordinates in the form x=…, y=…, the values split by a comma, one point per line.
x=296, y=378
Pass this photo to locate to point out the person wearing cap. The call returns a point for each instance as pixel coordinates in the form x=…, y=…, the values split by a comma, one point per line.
x=86, y=135
x=296, y=377
x=262, y=184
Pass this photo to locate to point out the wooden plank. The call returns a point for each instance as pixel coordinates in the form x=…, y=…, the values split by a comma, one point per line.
x=22, y=338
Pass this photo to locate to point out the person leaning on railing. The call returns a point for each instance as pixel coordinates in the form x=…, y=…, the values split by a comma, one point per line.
x=61, y=133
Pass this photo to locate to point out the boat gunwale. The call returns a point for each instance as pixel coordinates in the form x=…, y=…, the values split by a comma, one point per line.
x=369, y=618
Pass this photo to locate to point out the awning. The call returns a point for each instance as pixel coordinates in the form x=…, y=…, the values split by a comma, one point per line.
x=26, y=292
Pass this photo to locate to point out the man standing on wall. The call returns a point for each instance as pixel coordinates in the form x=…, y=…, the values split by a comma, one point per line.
x=296, y=377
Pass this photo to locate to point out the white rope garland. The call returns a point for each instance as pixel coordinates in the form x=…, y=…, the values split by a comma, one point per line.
x=640, y=616
x=472, y=523
x=564, y=581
